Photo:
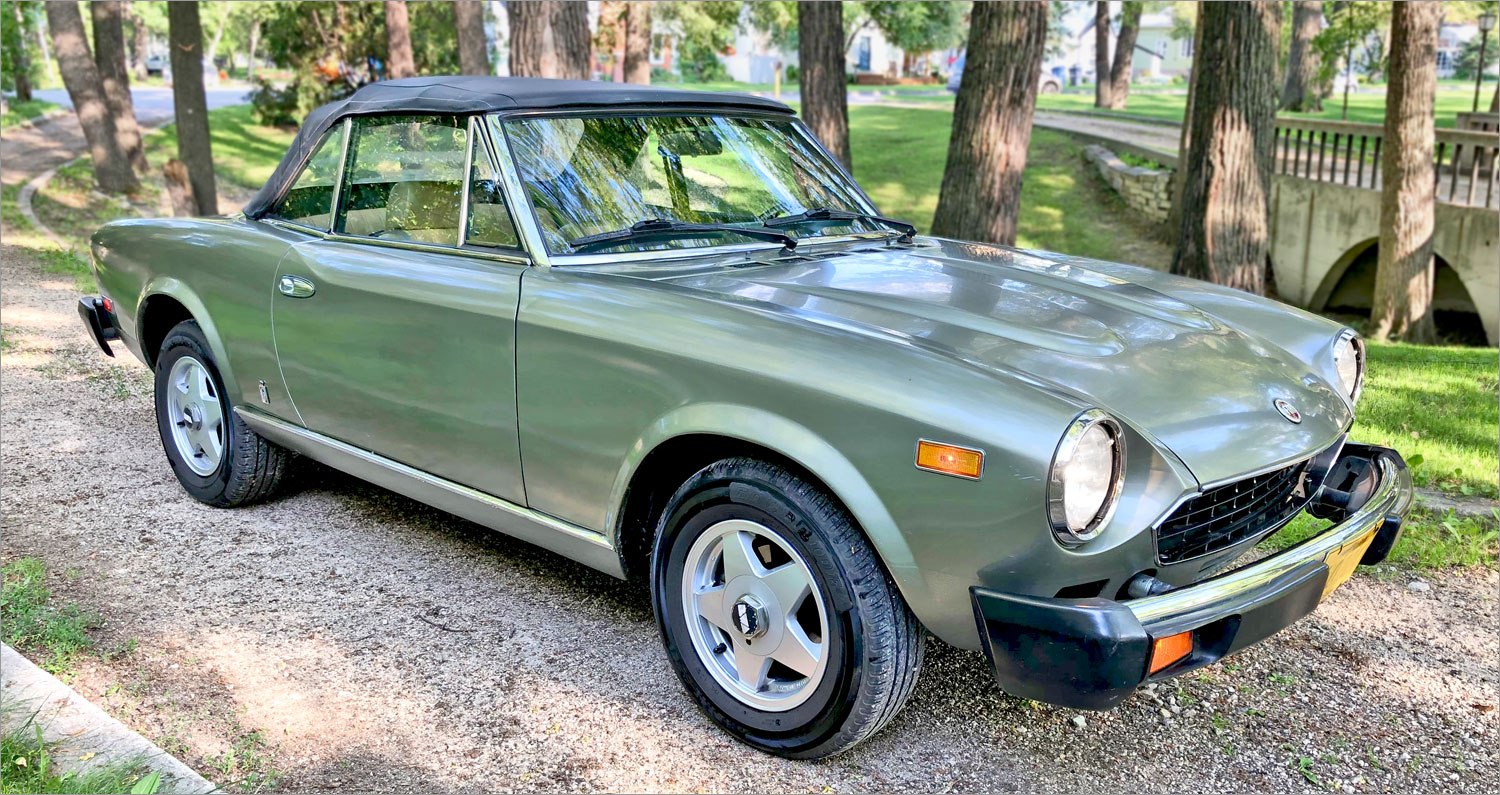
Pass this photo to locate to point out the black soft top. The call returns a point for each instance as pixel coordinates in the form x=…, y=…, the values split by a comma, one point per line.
x=466, y=94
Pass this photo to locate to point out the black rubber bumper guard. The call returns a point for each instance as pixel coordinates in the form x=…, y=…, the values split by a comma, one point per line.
x=100, y=322
x=1093, y=653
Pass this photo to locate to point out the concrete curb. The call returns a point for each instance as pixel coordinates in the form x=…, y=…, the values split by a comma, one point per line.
x=81, y=729
x=48, y=116
x=23, y=202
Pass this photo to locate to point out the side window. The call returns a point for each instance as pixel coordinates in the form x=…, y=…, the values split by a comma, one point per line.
x=405, y=179
x=310, y=200
x=489, y=221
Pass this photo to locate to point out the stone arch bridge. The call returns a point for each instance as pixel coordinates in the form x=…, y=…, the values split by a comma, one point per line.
x=1325, y=213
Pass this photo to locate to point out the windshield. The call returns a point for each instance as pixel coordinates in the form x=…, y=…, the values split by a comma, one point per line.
x=586, y=176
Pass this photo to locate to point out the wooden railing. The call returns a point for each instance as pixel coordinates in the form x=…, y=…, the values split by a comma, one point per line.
x=1348, y=153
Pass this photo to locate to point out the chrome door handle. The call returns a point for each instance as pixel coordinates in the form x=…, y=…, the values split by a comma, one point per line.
x=296, y=287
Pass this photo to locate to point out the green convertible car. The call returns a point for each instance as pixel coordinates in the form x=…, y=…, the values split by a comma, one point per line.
x=665, y=334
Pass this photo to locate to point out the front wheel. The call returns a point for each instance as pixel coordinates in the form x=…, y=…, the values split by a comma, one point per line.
x=217, y=458
x=776, y=612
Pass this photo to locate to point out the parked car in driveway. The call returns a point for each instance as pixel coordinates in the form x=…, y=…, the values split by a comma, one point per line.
x=663, y=333
x=1048, y=83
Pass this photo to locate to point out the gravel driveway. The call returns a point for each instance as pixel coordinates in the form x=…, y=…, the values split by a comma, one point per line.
x=343, y=637
x=374, y=643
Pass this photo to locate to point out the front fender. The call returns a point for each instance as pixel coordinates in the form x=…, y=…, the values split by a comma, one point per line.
x=799, y=444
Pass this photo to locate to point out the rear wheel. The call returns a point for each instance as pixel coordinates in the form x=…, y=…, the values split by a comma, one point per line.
x=214, y=454
x=777, y=614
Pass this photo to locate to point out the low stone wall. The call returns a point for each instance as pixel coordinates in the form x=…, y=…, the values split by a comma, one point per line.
x=1146, y=191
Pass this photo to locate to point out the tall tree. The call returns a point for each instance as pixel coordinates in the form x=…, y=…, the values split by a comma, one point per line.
x=1119, y=70
x=549, y=38
x=254, y=44
x=85, y=89
x=1224, y=235
x=140, y=39
x=820, y=51
x=638, y=42
x=399, y=61
x=213, y=46
x=1408, y=199
x=1303, y=92
x=194, y=147
x=473, y=49
x=15, y=51
x=1102, y=84
x=114, y=77
x=981, y=193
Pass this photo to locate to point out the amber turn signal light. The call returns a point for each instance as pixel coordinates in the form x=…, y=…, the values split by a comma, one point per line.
x=1170, y=649
x=950, y=459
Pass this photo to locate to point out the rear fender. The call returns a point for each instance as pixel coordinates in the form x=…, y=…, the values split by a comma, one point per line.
x=183, y=294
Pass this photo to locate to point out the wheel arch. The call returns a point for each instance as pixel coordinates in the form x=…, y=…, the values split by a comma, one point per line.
x=692, y=437
x=164, y=303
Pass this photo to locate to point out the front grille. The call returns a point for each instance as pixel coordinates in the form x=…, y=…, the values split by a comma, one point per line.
x=1222, y=517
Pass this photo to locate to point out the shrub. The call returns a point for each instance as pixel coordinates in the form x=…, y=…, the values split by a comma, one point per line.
x=276, y=107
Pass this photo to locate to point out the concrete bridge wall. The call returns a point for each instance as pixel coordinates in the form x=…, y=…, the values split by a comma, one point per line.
x=1319, y=230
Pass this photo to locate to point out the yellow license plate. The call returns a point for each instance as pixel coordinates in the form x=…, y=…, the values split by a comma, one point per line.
x=1341, y=562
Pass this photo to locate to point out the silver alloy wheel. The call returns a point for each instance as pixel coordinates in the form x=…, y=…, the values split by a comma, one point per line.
x=757, y=620
x=196, y=416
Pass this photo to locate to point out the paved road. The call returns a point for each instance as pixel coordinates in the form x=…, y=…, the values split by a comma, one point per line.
x=28, y=151
x=153, y=104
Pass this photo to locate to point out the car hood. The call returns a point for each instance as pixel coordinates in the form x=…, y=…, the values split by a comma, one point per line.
x=1201, y=387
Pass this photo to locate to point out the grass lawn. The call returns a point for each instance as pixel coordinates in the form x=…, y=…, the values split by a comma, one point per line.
x=26, y=765
x=245, y=151
x=732, y=86
x=1363, y=107
x=17, y=112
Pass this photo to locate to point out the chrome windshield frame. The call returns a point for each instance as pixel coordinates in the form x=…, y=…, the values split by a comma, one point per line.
x=529, y=226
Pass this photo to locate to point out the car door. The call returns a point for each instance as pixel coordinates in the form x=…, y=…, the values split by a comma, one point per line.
x=396, y=332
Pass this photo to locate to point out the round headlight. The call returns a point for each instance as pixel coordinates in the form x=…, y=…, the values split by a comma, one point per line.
x=1349, y=358
x=1087, y=473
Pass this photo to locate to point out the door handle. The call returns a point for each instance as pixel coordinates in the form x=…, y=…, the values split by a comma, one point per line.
x=296, y=287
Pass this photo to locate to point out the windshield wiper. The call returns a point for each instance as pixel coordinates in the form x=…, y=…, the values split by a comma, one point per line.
x=661, y=227
x=830, y=214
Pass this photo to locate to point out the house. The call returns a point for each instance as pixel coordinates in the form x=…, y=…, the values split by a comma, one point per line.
x=1159, y=53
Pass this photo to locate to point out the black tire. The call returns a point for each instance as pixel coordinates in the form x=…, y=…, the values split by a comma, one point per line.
x=250, y=468
x=875, y=643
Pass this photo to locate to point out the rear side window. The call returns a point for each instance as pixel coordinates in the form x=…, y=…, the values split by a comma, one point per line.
x=405, y=179
x=310, y=200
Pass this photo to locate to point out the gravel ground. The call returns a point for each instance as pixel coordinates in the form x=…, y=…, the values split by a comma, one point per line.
x=342, y=637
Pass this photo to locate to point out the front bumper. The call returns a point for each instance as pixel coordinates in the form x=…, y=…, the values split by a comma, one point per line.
x=1092, y=653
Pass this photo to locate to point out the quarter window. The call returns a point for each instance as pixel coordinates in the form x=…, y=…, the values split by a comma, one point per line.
x=310, y=200
x=405, y=179
x=489, y=222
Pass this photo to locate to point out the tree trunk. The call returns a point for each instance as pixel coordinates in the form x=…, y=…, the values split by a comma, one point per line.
x=41, y=40
x=194, y=147
x=179, y=188
x=1404, y=272
x=473, y=49
x=1119, y=73
x=571, y=39
x=23, y=63
x=399, y=61
x=1302, y=92
x=114, y=77
x=549, y=38
x=1185, y=135
x=86, y=91
x=213, y=46
x=638, y=43
x=140, y=43
x=254, y=44
x=1102, y=85
x=981, y=193
x=820, y=50
x=1225, y=234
